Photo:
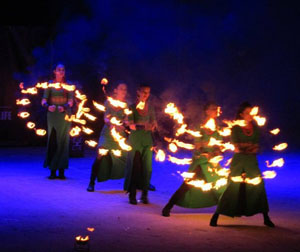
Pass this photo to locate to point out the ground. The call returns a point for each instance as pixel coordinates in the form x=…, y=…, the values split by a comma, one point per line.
x=42, y=215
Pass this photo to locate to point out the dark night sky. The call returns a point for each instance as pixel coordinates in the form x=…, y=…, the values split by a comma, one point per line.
x=188, y=51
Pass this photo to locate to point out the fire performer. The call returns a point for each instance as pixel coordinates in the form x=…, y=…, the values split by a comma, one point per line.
x=242, y=198
x=58, y=102
x=108, y=165
x=142, y=123
x=187, y=195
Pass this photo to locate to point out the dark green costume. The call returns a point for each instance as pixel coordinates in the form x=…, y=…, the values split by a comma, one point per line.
x=196, y=197
x=242, y=198
x=57, y=157
x=141, y=153
x=111, y=166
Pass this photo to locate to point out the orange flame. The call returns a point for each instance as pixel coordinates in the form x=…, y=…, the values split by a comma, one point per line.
x=42, y=85
x=41, y=132
x=276, y=163
x=99, y=106
x=178, y=161
x=30, y=125
x=280, y=147
x=261, y=121
x=228, y=162
x=241, y=123
x=81, y=238
x=115, y=121
x=102, y=152
x=269, y=174
x=172, y=110
x=117, y=153
x=23, y=102
x=32, y=90
x=117, y=103
x=23, y=114
x=252, y=181
x=210, y=124
x=75, y=131
x=216, y=160
x=80, y=96
x=90, y=117
x=104, y=81
x=172, y=147
x=160, y=156
x=127, y=111
x=213, y=142
x=275, y=131
x=254, y=111
x=73, y=118
x=140, y=105
x=91, y=143
x=87, y=130
x=187, y=175
x=220, y=182
x=225, y=132
x=121, y=140
x=90, y=229
x=201, y=184
x=223, y=172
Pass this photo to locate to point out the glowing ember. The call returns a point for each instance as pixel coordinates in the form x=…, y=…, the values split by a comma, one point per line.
x=254, y=111
x=23, y=102
x=90, y=117
x=81, y=238
x=75, y=131
x=220, y=182
x=269, y=174
x=80, y=96
x=87, y=130
x=275, y=131
x=41, y=132
x=172, y=110
x=260, y=120
x=99, y=106
x=23, y=114
x=104, y=81
x=210, y=124
x=32, y=91
x=21, y=85
x=116, y=103
x=90, y=229
x=117, y=153
x=225, y=132
x=140, y=105
x=188, y=175
x=215, y=160
x=160, y=156
x=184, y=161
x=120, y=139
x=127, y=111
x=30, y=125
x=115, y=121
x=102, y=152
x=73, y=118
x=280, y=147
x=91, y=143
x=172, y=147
x=276, y=163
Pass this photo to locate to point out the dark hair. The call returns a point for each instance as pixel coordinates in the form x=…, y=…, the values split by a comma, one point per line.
x=54, y=66
x=242, y=108
x=143, y=86
x=208, y=104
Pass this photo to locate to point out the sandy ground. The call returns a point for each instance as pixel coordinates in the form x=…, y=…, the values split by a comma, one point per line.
x=41, y=215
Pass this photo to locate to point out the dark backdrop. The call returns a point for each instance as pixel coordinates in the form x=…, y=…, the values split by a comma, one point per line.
x=188, y=51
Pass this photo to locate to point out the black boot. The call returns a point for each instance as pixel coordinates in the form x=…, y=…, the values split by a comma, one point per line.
x=61, y=174
x=144, y=198
x=214, y=220
x=91, y=187
x=52, y=175
x=167, y=209
x=267, y=221
x=132, y=197
x=151, y=188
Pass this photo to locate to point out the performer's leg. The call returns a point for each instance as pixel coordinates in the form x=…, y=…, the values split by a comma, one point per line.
x=214, y=220
x=147, y=173
x=267, y=220
x=52, y=147
x=94, y=172
x=136, y=174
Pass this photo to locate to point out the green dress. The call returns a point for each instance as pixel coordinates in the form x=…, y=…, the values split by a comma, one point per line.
x=57, y=157
x=114, y=168
x=195, y=197
x=242, y=198
x=141, y=141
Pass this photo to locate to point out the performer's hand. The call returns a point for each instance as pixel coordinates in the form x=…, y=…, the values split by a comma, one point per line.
x=61, y=109
x=132, y=127
x=52, y=108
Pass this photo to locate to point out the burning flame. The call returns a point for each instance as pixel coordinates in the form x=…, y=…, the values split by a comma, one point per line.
x=80, y=96
x=241, y=123
x=104, y=81
x=216, y=160
x=81, y=238
x=73, y=118
x=172, y=110
x=223, y=172
x=269, y=174
x=200, y=184
x=91, y=143
x=140, y=105
x=225, y=132
x=41, y=132
x=220, y=182
x=121, y=140
x=30, y=125
x=260, y=120
x=75, y=131
x=241, y=179
x=213, y=141
x=160, y=156
x=115, y=121
x=210, y=124
x=275, y=131
x=228, y=162
x=127, y=111
x=87, y=130
x=117, y=103
x=102, y=152
x=117, y=153
x=23, y=114
x=254, y=111
x=69, y=88
x=90, y=117
x=184, y=161
x=99, y=106
x=42, y=85
x=276, y=163
x=32, y=90
x=187, y=175
x=90, y=229
x=172, y=147
x=23, y=102
x=280, y=147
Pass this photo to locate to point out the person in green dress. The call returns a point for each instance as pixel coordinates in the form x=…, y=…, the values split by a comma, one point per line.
x=58, y=103
x=108, y=165
x=242, y=198
x=142, y=123
x=187, y=195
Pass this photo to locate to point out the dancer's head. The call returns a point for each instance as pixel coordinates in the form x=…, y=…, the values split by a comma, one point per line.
x=211, y=110
x=59, y=72
x=120, y=91
x=143, y=92
x=244, y=112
